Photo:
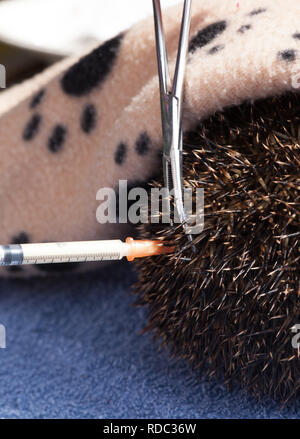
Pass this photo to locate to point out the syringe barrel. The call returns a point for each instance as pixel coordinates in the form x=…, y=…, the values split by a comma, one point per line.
x=63, y=252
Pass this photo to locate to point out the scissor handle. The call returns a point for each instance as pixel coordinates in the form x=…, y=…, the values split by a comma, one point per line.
x=161, y=49
x=183, y=45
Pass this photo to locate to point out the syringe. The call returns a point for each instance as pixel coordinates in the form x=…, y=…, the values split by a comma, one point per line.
x=83, y=251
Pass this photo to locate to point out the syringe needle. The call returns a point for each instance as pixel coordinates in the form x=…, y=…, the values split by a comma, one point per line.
x=82, y=251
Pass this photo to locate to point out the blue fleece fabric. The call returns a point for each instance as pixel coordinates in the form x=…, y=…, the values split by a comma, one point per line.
x=74, y=350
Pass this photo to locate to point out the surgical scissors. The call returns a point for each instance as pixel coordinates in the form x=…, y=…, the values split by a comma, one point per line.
x=171, y=97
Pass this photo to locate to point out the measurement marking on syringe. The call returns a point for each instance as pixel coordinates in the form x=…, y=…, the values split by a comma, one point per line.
x=66, y=259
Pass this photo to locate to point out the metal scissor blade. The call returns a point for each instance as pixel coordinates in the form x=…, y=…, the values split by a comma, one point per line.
x=176, y=169
x=167, y=173
x=176, y=158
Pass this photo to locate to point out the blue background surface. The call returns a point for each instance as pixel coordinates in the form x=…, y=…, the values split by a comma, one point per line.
x=74, y=350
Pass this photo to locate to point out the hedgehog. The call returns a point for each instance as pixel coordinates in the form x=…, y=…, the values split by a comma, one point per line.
x=229, y=307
